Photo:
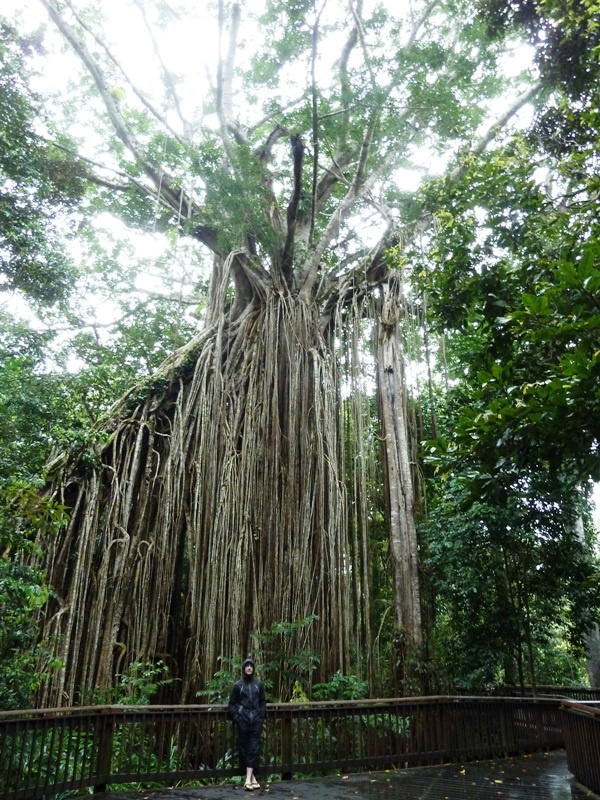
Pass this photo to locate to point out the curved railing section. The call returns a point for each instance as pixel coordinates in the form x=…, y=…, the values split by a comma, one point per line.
x=47, y=751
x=543, y=690
x=581, y=728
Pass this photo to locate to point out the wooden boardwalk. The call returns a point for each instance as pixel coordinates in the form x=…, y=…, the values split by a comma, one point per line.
x=537, y=777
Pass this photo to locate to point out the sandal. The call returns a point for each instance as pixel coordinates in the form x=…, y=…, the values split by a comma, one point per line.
x=248, y=787
x=255, y=785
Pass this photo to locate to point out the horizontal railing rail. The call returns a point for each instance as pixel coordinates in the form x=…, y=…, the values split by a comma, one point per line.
x=571, y=692
x=47, y=751
x=581, y=727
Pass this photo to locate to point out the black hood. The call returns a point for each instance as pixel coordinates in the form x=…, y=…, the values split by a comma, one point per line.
x=245, y=664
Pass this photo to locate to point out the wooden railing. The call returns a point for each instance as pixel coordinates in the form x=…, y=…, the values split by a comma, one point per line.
x=570, y=692
x=581, y=727
x=48, y=751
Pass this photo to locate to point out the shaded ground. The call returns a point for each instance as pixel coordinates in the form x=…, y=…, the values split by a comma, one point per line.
x=531, y=777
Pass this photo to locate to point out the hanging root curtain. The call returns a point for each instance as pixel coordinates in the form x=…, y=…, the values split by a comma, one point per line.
x=216, y=508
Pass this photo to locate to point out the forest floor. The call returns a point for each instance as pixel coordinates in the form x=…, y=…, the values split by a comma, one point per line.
x=544, y=776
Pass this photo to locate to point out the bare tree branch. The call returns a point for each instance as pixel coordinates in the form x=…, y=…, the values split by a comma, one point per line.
x=345, y=92
x=494, y=130
x=365, y=148
x=315, y=120
x=363, y=43
x=292, y=211
x=358, y=190
x=273, y=116
x=373, y=269
x=167, y=75
x=164, y=188
x=343, y=155
x=224, y=94
x=141, y=97
x=263, y=153
x=420, y=22
x=111, y=106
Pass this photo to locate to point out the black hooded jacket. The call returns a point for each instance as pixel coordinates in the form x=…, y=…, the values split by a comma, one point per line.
x=247, y=702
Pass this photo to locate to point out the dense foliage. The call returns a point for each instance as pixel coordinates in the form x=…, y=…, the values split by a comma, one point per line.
x=40, y=184
x=512, y=280
x=23, y=591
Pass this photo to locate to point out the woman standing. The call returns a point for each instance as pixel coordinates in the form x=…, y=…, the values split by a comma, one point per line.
x=247, y=708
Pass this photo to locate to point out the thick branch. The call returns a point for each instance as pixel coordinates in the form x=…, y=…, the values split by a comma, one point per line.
x=111, y=106
x=333, y=173
x=141, y=97
x=343, y=155
x=224, y=94
x=493, y=132
x=263, y=153
x=315, y=125
x=270, y=118
x=345, y=91
x=420, y=22
x=292, y=211
x=359, y=177
x=359, y=188
x=363, y=42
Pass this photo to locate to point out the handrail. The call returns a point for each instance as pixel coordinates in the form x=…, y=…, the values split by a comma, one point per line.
x=45, y=751
x=581, y=727
x=582, y=693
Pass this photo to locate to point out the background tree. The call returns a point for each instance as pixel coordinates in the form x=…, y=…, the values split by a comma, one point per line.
x=516, y=298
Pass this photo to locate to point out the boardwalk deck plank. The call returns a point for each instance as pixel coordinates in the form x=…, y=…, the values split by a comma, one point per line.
x=538, y=777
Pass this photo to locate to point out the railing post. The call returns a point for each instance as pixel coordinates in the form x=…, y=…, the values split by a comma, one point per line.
x=106, y=730
x=286, y=746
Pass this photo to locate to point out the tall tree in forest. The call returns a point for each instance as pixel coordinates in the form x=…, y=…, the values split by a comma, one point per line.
x=216, y=501
x=518, y=293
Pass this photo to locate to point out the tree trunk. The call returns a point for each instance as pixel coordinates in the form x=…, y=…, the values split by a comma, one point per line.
x=592, y=636
x=399, y=480
x=592, y=646
x=217, y=509
x=219, y=506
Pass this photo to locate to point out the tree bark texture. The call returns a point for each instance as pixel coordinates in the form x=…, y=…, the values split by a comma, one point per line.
x=397, y=468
